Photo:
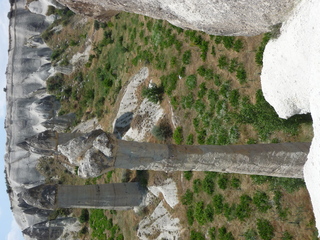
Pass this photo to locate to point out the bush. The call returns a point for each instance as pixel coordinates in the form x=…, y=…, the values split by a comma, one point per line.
x=223, y=181
x=243, y=210
x=265, y=229
x=178, y=135
x=161, y=132
x=238, y=45
x=197, y=186
x=188, y=175
x=212, y=233
x=209, y=213
x=187, y=198
x=241, y=75
x=190, y=140
x=199, y=213
x=197, y=235
x=259, y=53
x=190, y=217
x=169, y=82
x=208, y=184
x=55, y=83
x=202, y=90
x=224, y=234
x=186, y=57
x=262, y=201
x=187, y=101
x=235, y=183
x=218, y=203
x=84, y=217
x=191, y=82
x=234, y=98
x=223, y=62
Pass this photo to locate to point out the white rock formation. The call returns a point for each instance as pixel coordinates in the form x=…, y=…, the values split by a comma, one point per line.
x=160, y=224
x=291, y=81
x=169, y=191
x=148, y=113
x=220, y=17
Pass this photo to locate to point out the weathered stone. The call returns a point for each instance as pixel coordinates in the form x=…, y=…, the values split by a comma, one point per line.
x=219, y=17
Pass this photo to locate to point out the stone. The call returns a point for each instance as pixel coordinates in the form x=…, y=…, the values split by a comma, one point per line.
x=218, y=17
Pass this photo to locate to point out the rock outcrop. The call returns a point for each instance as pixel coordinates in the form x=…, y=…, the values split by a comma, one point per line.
x=218, y=17
x=30, y=110
x=290, y=81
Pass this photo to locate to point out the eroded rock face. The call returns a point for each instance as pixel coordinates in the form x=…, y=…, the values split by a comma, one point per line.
x=218, y=17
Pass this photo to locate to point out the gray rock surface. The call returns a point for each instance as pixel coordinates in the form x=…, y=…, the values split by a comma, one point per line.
x=105, y=152
x=218, y=17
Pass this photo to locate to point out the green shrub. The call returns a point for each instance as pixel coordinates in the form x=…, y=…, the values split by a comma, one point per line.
x=196, y=124
x=161, y=132
x=262, y=201
x=208, y=184
x=199, y=106
x=234, y=98
x=84, y=217
x=199, y=213
x=178, y=135
x=224, y=234
x=228, y=42
x=235, y=183
x=188, y=175
x=187, y=198
x=287, y=236
x=209, y=213
x=197, y=186
x=169, y=82
x=190, y=216
x=229, y=211
x=83, y=230
x=250, y=235
x=241, y=74
x=223, y=181
x=233, y=65
x=186, y=57
x=218, y=39
x=201, y=71
x=223, y=62
x=238, y=45
x=201, y=138
x=243, y=210
x=265, y=229
x=153, y=94
x=55, y=83
x=213, y=50
x=202, y=90
x=225, y=89
x=259, y=53
x=196, y=235
x=191, y=82
x=217, y=202
x=190, y=140
x=187, y=101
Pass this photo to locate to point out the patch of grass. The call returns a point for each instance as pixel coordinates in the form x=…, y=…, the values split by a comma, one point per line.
x=191, y=82
x=262, y=201
x=265, y=229
x=178, y=135
x=187, y=198
x=188, y=175
x=186, y=57
x=197, y=186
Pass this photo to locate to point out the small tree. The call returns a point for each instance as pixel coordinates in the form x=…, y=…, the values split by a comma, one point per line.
x=153, y=93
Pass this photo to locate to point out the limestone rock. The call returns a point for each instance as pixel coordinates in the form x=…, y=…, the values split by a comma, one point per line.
x=219, y=17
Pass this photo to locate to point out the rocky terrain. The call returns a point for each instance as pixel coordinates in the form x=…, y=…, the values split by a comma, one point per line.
x=32, y=112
